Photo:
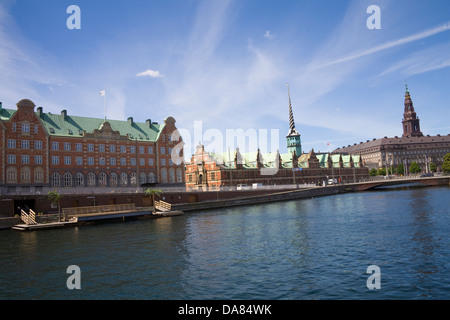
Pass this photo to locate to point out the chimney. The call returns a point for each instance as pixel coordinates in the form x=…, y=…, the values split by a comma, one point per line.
x=1, y=105
x=148, y=122
x=64, y=114
x=130, y=121
x=39, y=111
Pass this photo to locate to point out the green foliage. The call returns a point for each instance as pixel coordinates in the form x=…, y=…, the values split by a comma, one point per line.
x=433, y=167
x=373, y=172
x=54, y=196
x=446, y=164
x=382, y=172
x=414, y=168
x=400, y=169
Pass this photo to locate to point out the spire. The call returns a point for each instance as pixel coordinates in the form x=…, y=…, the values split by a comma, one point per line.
x=292, y=130
x=411, y=123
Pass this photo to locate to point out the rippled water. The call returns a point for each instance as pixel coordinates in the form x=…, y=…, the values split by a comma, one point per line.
x=307, y=249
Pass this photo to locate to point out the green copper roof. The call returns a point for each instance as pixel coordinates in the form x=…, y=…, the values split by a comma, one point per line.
x=75, y=126
x=70, y=126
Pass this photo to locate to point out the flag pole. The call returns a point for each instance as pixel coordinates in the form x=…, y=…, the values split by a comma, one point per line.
x=103, y=93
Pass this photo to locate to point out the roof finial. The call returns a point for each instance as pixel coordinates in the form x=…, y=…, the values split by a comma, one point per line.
x=406, y=85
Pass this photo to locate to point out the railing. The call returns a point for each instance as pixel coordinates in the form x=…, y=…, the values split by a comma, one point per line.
x=68, y=212
x=28, y=218
x=163, y=206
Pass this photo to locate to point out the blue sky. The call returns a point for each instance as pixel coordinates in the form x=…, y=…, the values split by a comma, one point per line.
x=227, y=62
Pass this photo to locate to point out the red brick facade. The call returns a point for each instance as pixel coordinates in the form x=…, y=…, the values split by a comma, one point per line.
x=35, y=153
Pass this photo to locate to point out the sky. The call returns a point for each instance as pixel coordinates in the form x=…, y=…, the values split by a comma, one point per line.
x=221, y=67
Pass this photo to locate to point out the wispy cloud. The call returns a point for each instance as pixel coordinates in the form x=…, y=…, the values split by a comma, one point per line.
x=149, y=73
x=269, y=35
x=392, y=44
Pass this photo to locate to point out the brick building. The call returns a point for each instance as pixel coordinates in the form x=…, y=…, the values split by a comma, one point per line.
x=44, y=150
x=211, y=171
x=412, y=146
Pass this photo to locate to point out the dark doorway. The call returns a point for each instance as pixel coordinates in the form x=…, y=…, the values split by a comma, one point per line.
x=23, y=204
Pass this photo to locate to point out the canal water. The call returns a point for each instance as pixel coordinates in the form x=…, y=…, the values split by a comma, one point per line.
x=316, y=248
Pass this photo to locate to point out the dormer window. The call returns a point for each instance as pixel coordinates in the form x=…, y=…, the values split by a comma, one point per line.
x=52, y=130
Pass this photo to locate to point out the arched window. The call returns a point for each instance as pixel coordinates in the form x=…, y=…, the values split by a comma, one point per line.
x=171, y=175
x=67, y=179
x=102, y=179
x=123, y=179
x=79, y=180
x=133, y=179
x=25, y=175
x=179, y=175
x=113, y=180
x=38, y=174
x=142, y=178
x=164, y=175
x=151, y=177
x=55, y=180
x=91, y=179
x=11, y=175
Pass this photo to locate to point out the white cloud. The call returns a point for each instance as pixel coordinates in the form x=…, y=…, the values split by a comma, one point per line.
x=149, y=73
x=392, y=44
x=269, y=35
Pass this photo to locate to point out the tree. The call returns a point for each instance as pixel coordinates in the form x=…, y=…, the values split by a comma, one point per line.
x=414, y=168
x=400, y=169
x=373, y=172
x=433, y=167
x=152, y=193
x=55, y=197
x=446, y=164
x=382, y=172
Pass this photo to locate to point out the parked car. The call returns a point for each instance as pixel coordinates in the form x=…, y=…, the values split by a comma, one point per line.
x=242, y=187
x=427, y=175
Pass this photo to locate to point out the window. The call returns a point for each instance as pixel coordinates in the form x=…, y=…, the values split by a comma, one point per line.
x=163, y=150
x=55, y=160
x=163, y=162
x=141, y=150
x=38, y=175
x=14, y=127
x=151, y=177
x=79, y=180
x=123, y=161
x=113, y=179
x=25, y=159
x=132, y=161
x=25, y=174
x=164, y=175
x=67, y=161
x=90, y=147
x=91, y=179
x=179, y=175
x=36, y=128
x=112, y=148
x=67, y=179
x=150, y=150
x=38, y=145
x=78, y=147
x=79, y=161
x=171, y=175
x=11, y=144
x=91, y=161
x=142, y=178
x=101, y=161
x=133, y=179
x=132, y=149
x=170, y=162
x=112, y=161
x=11, y=159
x=11, y=175
x=151, y=162
x=25, y=144
x=37, y=159
x=123, y=149
x=55, y=145
x=25, y=127
x=142, y=162
x=55, y=180
x=123, y=179
x=102, y=179
x=101, y=148
x=67, y=146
